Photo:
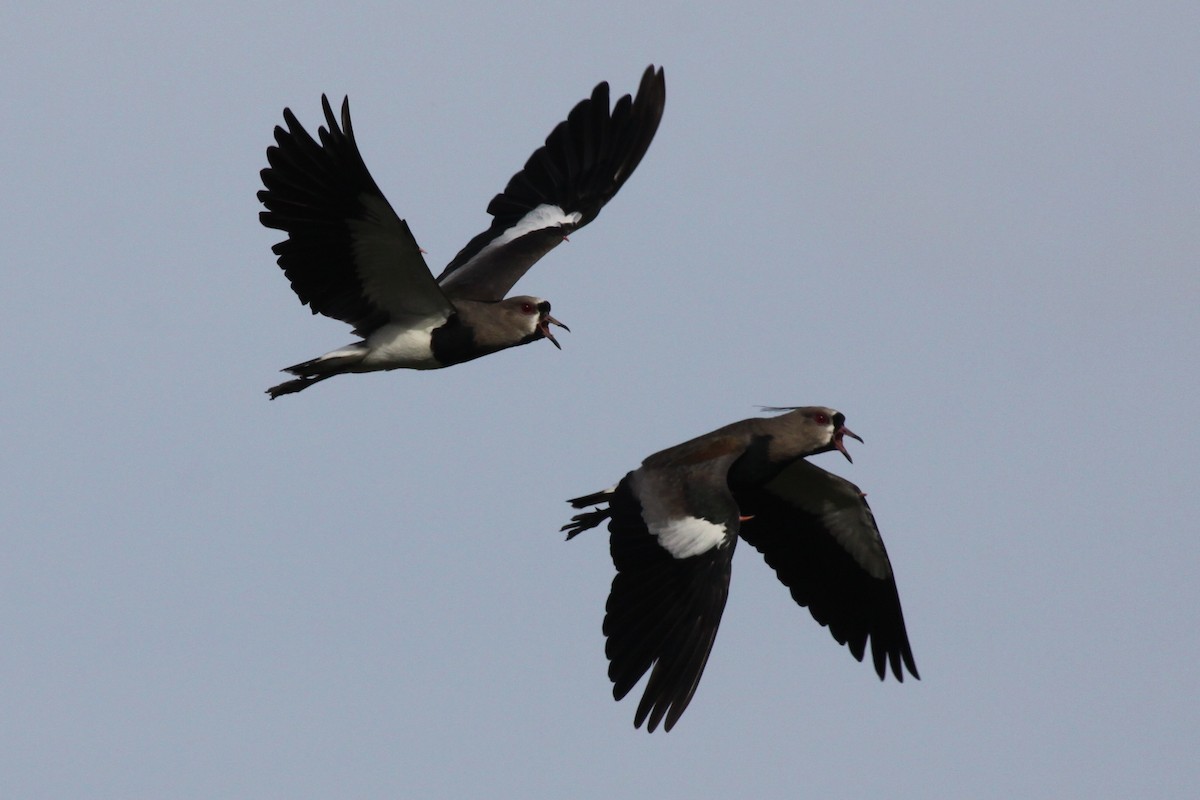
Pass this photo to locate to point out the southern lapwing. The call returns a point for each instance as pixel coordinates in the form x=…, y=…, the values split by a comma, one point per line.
x=675, y=521
x=350, y=257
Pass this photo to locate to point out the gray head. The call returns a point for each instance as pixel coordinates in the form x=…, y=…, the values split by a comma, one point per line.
x=506, y=323
x=531, y=316
x=808, y=430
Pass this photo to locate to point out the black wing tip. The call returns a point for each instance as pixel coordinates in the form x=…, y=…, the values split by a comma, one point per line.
x=653, y=708
x=659, y=712
x=909, y=662
x=296, y=128
x=327, y=110
x=899, y=657
x=332, y=120
x=290, y=119
x=889, y=646
x=294, y=125
x=666, y=696
x=553, y=174
x=654, y=82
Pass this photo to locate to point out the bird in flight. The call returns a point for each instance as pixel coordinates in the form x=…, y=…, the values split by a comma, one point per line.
x=674, y=523
x=350, y=257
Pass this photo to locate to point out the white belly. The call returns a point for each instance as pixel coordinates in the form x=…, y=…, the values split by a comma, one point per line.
x=396, y=346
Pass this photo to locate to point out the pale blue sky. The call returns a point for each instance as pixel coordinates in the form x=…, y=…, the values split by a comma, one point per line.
x=973, y=229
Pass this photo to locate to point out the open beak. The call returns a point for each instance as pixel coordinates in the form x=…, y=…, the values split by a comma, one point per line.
x=544, y=326
x=837, y=441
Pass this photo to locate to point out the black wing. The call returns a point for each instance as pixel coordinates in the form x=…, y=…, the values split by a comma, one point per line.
x=662, y=614
x=818, y=534
x=348, y=255
x=563, y=186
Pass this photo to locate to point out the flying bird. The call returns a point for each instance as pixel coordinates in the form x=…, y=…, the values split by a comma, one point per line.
x=350, y=257
x=674, y=523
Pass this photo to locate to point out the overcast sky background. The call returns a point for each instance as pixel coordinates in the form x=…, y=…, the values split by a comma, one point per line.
x=974, y=228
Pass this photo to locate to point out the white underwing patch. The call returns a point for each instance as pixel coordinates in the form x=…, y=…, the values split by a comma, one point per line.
x=544, y=216
x=688, y=536
x=665, y=514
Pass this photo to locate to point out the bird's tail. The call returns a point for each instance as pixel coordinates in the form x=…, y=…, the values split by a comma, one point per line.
x=299, y=384
x=588, y=519
x=318, y=369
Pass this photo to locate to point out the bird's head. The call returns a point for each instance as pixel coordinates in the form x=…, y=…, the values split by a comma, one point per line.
x=535, y=314
x=816, y=429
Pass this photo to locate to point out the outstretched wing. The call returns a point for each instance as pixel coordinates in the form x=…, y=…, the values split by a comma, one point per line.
x=348, y=255
x=673, y=525
x=562, y=187
x=663, y=610
x=817, y=532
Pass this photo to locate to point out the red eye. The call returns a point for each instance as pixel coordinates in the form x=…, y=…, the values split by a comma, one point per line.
x=526, y=308
x=820, y=419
